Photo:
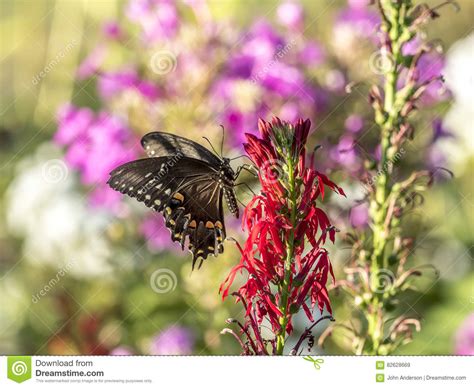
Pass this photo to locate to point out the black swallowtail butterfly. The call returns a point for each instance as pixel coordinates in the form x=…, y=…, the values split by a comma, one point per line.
x=187, y=183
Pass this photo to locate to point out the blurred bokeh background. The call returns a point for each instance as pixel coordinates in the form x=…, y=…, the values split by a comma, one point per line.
x=84, y=271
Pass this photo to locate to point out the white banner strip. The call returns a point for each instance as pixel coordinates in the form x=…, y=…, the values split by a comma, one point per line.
x=230, y=371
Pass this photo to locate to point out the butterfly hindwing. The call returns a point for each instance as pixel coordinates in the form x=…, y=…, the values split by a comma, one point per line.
x=187, y=194
x=195, y=212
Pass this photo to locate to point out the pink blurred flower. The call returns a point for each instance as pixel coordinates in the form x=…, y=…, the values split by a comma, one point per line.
x=335, y=81
x=112, y=30
x=344, y=152
x=92, y=63
x=359, y=20
x=440, y=131
x=354, y=123
x=359, y=216
x=103, y=197
x=121, y=351
x=176, y=340
x=112, y=84
x=464, y=340
x=73, y=123
x=156, y=235
x=429, y=67
x=291, y=15
x=95, y=144
x=359, y=3
x=312, y=54
x=158, y=19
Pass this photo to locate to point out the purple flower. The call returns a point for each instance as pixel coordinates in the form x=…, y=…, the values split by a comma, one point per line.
x=335, y=81
x=156, y=235
x=103, y=197
x=291, y=15
x=359, y=216
x=435, y=158
x=440, y=131
x=312, y=54
x=344, y=152
x=284, y=80
x=92, y=63
x=175, y=340
x=158, y=19
x=359, y=3
x=241, y=66
x=112, y=30
x=464, y=340
x=262, y=44
x=354, y=123
x=121, y=351
x=289, y=112
x=73, y=123
x=107, y=148
x=223, y=89
x=429, y=67
x=359, y=21
x=95, y=144
x=276, y=68
x=114, y=83
x=239, y=123
x=148, y=90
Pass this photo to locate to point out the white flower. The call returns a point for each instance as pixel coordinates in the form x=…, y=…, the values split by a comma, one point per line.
x=54, y=220
x=459, y=79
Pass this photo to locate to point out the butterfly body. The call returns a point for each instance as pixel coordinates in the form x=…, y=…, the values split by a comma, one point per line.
x=187, y=184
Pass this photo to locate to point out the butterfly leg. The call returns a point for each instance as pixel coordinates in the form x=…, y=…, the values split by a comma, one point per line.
x=247, y=167
x=246, y=185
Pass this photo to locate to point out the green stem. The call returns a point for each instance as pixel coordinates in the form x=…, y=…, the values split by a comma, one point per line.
x=285, y=287
x=379, y=206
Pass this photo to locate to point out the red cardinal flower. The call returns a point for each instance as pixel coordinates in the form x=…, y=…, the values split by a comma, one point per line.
x=283, y=260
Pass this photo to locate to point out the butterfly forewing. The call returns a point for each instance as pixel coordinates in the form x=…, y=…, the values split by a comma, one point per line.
x=167, y=144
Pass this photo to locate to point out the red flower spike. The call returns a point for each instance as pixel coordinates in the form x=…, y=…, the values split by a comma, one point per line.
x=279, y=278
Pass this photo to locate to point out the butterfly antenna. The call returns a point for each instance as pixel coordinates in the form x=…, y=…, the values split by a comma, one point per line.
x=241, y=156
x=205, y=138
x=222, y=140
